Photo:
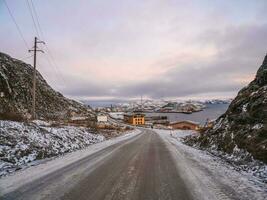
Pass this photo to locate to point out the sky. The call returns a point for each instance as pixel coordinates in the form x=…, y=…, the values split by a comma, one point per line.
x=111, y=49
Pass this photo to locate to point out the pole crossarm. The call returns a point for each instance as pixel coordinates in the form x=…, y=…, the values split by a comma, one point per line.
x=37, y=50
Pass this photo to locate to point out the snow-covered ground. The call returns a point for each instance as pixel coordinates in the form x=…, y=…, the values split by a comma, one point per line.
x=208, y=176
x=27, y=175
x=27, y=144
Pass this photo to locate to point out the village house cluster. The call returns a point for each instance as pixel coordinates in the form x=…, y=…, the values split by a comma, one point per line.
x=138, y=118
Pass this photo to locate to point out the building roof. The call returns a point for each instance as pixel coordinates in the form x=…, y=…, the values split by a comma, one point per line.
x=134, y=114
x=185, y=121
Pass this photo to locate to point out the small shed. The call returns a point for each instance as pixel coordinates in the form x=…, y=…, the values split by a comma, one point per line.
x=185, y=125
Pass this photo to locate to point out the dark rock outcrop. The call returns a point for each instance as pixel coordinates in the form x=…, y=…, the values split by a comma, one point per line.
x=242, y=130
x=16, y=96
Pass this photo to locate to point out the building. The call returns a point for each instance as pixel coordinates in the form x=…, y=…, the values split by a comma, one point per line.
x=185, y=125
x=135, y=118
x=116, y=115
x=101, y=118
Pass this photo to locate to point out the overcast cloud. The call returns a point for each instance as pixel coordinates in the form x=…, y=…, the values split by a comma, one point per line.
x=154, y=48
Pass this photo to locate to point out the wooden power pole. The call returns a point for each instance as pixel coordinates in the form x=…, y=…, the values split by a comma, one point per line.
x=35, y=50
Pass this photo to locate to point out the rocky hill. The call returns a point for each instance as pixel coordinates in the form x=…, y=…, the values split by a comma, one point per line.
x=241, y=132
x=16, y=96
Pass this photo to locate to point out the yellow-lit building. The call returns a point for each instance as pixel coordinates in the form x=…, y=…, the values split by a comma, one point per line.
x=135, y=119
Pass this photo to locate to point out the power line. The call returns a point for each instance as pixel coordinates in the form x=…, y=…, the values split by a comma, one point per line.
x=38, y=28
x=31, y=13
x=37, y=19
x=27, y=57
x=54, y=65
x=45, y=75
x=50, y=63
x=16, y=24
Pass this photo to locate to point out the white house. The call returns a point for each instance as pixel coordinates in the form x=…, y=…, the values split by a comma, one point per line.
x=101, y=118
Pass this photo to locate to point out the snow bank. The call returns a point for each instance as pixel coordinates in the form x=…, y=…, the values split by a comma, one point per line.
x=22, y=144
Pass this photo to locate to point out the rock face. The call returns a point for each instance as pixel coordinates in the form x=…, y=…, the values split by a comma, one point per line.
x=242, y=130
x=16, y=96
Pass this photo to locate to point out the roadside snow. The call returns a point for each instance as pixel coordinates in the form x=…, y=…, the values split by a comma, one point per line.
x=208, y=176
x=23, y=143
x=22, y=177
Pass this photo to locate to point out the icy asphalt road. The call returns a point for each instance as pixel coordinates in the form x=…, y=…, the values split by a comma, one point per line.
x=145, y=166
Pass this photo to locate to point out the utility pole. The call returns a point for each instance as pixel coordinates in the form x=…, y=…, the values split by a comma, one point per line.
x=141, y=103
x=35, y=50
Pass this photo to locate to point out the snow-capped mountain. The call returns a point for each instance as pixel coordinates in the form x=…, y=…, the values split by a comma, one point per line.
x=183, y=106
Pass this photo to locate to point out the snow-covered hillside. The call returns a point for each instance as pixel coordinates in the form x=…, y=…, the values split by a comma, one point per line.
x=23, y=144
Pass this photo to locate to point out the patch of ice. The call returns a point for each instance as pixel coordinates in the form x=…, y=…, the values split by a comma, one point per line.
x=257, y=126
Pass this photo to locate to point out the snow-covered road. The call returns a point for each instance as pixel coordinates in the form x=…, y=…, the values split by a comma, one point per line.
x=147, y=165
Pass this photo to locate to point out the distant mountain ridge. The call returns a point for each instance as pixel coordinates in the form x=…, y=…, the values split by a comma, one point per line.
x=16, y=96
x=242, y=130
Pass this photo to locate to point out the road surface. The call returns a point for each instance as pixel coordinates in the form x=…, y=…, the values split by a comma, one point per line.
x=146, y=166
x=141, y=168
